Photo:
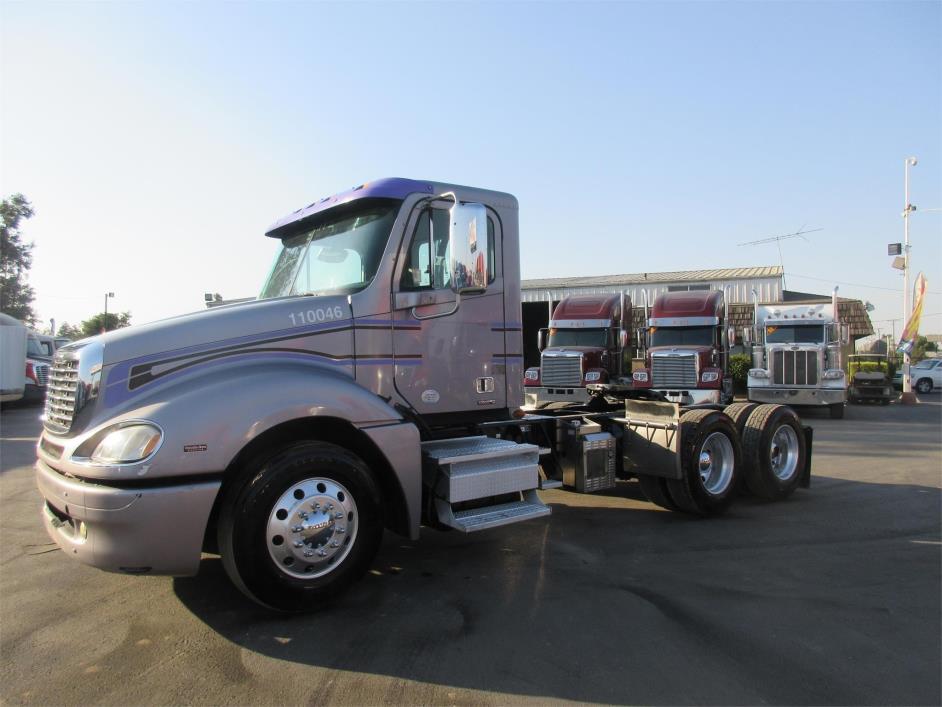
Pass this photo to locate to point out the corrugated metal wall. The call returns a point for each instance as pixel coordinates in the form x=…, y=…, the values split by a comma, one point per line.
x=739, y=291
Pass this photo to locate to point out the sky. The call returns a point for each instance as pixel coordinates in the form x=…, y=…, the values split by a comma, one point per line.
x=157, y=141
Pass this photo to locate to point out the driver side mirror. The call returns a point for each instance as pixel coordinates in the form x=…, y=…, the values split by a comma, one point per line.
x=468, y=245
x=845, y=334
x=623, y=339
x=541, y=339
x=731, y=336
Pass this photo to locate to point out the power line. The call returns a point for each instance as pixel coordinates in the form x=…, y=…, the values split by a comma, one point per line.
x=857, y=284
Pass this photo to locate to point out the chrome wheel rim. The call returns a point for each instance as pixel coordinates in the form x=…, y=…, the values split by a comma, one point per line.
x=783, y=452
x=311, y=528
x=715, y=463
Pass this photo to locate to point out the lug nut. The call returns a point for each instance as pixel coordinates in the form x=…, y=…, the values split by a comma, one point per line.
x=308, y=553
x=315, y=506
x=322, y=553
x=338, y=515
x=330, y=506
x=298, y=543
x=340, y=530
x=303, y=515
x=335, y=544
x=297, y=529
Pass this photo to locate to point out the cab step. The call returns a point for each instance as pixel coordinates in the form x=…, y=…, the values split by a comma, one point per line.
x=474, y=519
x=480, y=468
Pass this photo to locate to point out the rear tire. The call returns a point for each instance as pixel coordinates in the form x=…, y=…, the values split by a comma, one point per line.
x=655, y=489
x=774, y=452
x=837, y=411
x=300, y=525
x=739, y=413
x=711, y=459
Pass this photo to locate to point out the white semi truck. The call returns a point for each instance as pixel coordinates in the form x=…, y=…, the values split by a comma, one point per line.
x=796, y=355
x=374, y=384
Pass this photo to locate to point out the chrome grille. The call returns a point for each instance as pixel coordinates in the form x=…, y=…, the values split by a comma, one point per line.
x=677, y=371
x=561, y=370
x=794, y=367
x=61, y=396
x=42, y=373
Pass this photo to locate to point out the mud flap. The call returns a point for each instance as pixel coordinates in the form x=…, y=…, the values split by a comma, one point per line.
x=805, y=481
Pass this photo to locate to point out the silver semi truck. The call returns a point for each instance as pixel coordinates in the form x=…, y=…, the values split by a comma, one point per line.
x=374, y=384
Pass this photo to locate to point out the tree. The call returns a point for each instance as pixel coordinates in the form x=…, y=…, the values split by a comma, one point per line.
x=70, y=332
x=16, y=258
x=102, y=322
x=920, y=347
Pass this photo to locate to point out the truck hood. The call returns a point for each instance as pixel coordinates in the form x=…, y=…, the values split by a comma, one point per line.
x=233, y=323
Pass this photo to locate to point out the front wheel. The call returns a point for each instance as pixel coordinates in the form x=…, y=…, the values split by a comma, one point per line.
x=300, y=527
x=710, y=463
x=924, y=385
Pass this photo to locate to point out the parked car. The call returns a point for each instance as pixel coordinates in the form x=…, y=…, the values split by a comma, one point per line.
x=926, y=376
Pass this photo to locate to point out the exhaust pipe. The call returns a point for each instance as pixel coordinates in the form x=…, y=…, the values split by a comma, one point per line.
x=834, y=304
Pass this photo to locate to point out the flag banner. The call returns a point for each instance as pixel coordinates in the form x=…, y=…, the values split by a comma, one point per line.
x=908, y=338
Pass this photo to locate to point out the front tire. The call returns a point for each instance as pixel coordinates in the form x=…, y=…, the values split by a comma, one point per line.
x=774, y=451
x=300, y=526
x=924, y=385
x=711, y=460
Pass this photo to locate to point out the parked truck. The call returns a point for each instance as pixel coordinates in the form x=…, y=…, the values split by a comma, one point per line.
x=796, y=355
x=686, y=352
x=587, y=342
x=374, y=384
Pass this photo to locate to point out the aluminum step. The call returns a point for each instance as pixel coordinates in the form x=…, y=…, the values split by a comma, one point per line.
x=472, y=520
x=550, y=484
x=470, y=468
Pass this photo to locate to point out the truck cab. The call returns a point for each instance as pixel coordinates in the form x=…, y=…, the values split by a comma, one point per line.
x=687, y=349
x=796, y=356
x=585, y=343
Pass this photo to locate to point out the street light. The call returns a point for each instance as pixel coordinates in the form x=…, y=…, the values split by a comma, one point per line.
x=107, y=295
x=907, y=398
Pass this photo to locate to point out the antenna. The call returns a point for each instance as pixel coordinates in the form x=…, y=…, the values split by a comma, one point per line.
x=800, y=233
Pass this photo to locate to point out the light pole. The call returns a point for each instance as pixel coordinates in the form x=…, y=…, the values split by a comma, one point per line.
x=908, y=397
x=107, y=295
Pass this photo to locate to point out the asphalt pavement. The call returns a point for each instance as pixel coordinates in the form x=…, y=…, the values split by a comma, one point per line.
x=831, y=597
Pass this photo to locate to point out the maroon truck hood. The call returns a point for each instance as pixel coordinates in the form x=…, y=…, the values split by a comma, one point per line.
x=591, y=355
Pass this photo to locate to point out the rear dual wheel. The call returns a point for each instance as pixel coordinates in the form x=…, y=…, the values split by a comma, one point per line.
x=774, y=452
x=710, y=463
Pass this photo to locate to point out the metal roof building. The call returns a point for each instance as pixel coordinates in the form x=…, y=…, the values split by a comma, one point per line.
x=738, y=282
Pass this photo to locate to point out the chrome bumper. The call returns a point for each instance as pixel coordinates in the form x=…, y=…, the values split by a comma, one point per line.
x=798, y=396
x=693, y=396
x=135, y=531
x=557, y=394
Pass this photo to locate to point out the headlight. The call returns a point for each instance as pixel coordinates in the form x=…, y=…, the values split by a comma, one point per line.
x=592, y=376
x=710, y=376
x=833, y=374
x=640, y=376
x=532, y=374
x=128, y=444
x=758, y=373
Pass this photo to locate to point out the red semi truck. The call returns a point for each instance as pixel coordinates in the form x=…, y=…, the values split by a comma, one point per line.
x=587, y=343
x=686, y=346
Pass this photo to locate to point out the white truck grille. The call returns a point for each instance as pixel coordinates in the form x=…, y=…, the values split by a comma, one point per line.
x=794, y=367
x=561, y=370
x=674, y=371
x=61, y=395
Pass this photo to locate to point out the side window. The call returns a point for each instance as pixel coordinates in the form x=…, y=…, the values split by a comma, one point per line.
x=431, y=236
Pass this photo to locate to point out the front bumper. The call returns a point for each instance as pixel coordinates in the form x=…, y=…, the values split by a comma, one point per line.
x=871, y=392
x=693, y=396
x=542, y=395
x=798, y=396
x=156, y=530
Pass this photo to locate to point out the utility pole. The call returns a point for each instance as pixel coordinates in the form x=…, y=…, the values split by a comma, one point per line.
x=908, y=398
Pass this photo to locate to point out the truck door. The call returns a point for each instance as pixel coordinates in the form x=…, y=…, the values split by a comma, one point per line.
x=449, y=352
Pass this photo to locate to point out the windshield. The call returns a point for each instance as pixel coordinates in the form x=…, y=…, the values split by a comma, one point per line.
x=35, y=347
x=924, y=364
x=795, y=334
x=682, y=336
x=596, y=338
x=338, y=254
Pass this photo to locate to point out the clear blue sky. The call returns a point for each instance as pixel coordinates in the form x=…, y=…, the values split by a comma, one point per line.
x=158, y=140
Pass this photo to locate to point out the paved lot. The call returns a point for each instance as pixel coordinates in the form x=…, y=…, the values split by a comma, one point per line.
x=829, y=598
